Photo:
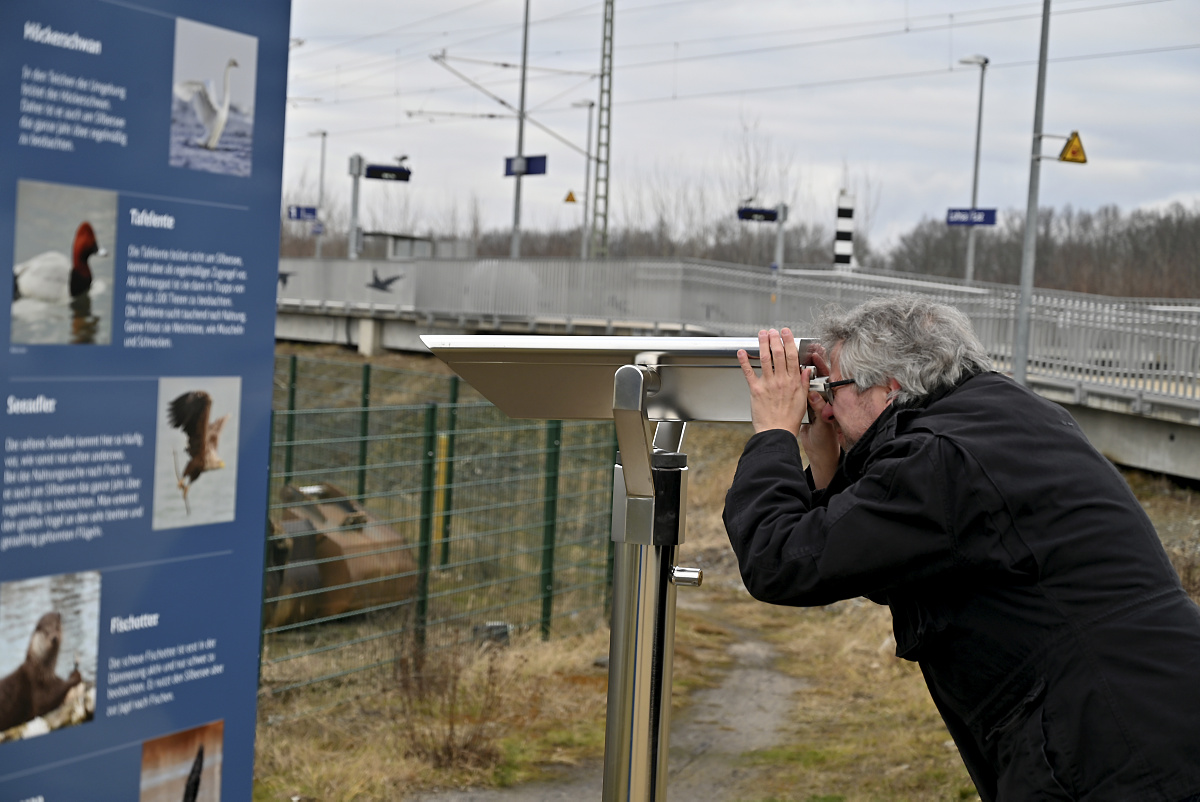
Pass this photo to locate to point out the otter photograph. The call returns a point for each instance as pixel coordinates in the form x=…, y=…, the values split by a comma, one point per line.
x=212, y=99
x=63, y=257
x=49, y=632
x=184, y=765
x=196, y=454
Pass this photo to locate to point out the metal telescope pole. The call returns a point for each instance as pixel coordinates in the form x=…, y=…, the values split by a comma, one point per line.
x=649, y=502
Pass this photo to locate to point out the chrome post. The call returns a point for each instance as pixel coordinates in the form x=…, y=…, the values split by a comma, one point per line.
x=649, y=503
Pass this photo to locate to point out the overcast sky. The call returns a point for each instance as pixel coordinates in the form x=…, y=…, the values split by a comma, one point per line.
x=867, y=94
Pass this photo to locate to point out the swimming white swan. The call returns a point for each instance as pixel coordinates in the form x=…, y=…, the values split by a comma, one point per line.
x=213, y=117
x=53, y=276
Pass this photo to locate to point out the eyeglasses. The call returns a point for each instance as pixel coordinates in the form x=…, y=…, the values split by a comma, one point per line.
x=822, y=386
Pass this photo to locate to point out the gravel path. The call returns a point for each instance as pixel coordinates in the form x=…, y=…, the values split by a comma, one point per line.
x=743, y=714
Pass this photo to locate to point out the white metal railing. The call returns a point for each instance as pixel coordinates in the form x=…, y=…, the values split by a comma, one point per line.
x=1145, y=351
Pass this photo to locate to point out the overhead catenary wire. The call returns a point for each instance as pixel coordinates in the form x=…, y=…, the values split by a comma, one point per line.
x=906, y=23
x=938, y=71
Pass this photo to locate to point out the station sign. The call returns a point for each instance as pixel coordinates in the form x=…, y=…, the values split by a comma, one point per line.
x=302, y=212
x=525, y=165
x=388, y=172
x=762, y=215
x=971, y=217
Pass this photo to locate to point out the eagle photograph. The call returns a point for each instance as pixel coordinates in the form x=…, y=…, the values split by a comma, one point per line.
x=195, y=461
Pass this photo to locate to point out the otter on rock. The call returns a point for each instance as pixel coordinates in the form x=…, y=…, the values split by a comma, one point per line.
x=34, y=689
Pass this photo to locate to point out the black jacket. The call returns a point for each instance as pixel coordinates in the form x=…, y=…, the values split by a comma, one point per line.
x=1022, y=575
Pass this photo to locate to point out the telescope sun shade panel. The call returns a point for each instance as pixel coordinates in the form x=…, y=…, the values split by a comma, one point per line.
x=571, y=378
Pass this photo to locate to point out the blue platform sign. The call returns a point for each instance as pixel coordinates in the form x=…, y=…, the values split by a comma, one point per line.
x=971, y=217
x=525, y=165
x=760, y=215
x=302, y=212
x=139, y=203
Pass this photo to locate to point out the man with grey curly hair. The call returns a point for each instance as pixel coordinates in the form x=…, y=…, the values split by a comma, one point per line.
x=1022, y=574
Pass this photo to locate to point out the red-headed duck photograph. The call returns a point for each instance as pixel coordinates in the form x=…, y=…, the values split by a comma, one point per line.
x=65, y=240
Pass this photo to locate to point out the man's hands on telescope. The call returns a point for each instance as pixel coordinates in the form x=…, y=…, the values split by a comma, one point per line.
x=779, y=397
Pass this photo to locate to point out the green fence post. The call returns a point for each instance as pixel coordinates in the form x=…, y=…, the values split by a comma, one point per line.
x=448, y=486
x=291, y=420
x=550, y=521
x=363, y=430
x=425, y=549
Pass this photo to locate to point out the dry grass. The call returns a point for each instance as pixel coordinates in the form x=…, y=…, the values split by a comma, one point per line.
x=472, y=716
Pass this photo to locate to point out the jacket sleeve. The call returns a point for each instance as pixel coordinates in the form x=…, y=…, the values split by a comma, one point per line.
x=801, y=547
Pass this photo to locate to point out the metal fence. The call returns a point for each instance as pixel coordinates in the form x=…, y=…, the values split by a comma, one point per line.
x=408, y=515
x=1114, y=348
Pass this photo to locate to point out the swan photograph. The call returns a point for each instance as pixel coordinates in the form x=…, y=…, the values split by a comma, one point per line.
x=63, y=255
x=196, y=450
x=212, y=99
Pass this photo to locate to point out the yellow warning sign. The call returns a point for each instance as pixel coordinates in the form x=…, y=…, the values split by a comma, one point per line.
x=1073, y=150
x=570, y=197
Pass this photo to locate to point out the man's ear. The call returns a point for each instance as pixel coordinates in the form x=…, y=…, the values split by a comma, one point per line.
x=893, y=386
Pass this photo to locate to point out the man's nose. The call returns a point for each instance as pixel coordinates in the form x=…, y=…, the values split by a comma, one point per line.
x=827, y=413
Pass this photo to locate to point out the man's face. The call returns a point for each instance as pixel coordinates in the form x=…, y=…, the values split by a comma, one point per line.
x=852, y=412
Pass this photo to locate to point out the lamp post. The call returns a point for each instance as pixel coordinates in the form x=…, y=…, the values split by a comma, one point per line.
x=321, y=190
x=982, y=61
x=515, y=246
x=585, y=230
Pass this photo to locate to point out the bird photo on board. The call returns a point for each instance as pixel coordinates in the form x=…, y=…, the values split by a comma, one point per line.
x=212, y=112
x=197, y=433
x=63, y=265
x=212, y=99
x=189, y=412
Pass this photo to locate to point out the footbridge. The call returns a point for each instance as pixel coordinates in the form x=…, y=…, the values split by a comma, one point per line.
x=1128, y=369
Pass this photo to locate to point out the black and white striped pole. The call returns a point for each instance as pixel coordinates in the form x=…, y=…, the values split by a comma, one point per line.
x=843, y=240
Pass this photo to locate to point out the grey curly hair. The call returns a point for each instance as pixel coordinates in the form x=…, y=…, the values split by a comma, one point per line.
x=924, y=345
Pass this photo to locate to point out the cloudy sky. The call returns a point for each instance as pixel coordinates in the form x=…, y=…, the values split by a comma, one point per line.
x=714, y=100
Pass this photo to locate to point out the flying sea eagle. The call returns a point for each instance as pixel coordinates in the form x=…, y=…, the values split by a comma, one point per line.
x=189, y=412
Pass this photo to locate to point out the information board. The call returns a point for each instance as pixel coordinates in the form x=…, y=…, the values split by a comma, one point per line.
x=139, y=212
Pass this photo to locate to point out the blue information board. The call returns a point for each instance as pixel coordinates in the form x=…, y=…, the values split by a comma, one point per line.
x=139, y=203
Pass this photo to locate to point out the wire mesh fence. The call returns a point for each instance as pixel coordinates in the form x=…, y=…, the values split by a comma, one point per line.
x=407, y=515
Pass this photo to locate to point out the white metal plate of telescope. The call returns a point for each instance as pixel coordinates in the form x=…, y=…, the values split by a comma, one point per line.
x=571, y=378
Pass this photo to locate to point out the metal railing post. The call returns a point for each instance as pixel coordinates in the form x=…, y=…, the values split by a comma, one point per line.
x=550, y=521
x=364, y=428
x=425, y=535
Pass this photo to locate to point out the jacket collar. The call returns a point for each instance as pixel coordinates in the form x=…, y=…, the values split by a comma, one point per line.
x=894, y=418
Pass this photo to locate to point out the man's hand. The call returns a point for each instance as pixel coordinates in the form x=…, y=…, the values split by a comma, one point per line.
x=818, y=437
x=779, y=397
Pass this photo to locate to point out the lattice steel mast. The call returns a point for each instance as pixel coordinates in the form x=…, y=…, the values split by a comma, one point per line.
x=603, y=135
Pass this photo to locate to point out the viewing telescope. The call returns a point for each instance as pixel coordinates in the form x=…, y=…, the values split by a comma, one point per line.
x=650, y=387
